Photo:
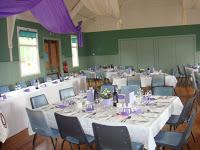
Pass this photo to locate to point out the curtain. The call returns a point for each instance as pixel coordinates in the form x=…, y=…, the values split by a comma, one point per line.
x=52, y=14
x=103, y=7
x=10, y=31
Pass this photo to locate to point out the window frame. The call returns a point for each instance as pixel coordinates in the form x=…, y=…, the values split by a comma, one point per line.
x=74, y=35
x=37, y=46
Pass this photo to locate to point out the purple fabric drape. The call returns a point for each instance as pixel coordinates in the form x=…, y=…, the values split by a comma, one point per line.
x=12, y=7
x=52, y=14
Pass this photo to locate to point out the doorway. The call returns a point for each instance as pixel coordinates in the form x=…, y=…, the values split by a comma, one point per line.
x=52, y=59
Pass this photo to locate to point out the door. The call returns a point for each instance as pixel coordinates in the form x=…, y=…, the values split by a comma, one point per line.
x=128, y=52
x=52, y=59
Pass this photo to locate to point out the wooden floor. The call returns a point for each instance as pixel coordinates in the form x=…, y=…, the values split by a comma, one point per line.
x=24, y=142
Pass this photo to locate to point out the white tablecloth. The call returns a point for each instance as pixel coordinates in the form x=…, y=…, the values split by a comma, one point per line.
x=3, y=128
x=14, y=106
x=139, y=131
x=146, y=81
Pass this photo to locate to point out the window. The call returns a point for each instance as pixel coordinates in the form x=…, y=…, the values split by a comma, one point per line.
x=28, y=51
x=74, y=45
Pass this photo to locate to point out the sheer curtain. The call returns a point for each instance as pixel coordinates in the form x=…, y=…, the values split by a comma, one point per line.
x=103, y=7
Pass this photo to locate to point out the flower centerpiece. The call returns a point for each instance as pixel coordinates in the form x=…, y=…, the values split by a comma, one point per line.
x=106, y=94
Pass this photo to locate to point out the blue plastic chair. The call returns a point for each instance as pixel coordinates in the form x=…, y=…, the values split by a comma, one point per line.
x=53, y=76
x=158, y=80
x=108, y=87
x=41, y=79
x=4, y=89
x=30, y=82
x=176, y=140
x=175, y=120
x=163, y=91
x=38, y=101
x=130, y=88
x=39, y=126
x=114, y=138
x=22, y=84
x=71, y=130
x=134, y=80
x=66, y=93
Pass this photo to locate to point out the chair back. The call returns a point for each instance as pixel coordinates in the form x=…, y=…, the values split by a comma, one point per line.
x=158, y=80
x=22, y=84
x=31, y=82
x=108, y=87
x=130, y=88
x=188, y=130
x=70, y=127
x=163, y=90
x=134, y=80
x=53, y=76
x=38, y=101
x=185, y=71
x=4, y=89
x=38, y=122
x=185, y=114
x=111, y=137
x=41, y=79
x=179, y=70
x=66, y=93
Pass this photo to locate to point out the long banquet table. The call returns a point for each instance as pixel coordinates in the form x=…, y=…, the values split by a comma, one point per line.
x=142, y=127
x=13, y=107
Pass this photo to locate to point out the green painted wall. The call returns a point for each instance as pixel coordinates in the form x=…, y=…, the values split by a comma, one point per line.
x=99, y=47
x=10, y=71
x=106, y=42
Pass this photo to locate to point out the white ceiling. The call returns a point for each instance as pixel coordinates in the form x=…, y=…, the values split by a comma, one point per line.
x=88, y=17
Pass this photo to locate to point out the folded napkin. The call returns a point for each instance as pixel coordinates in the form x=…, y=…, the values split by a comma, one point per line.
x=61, y=106
x=55, y=82
x=27, y=90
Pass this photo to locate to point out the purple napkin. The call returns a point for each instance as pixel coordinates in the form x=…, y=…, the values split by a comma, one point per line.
x=61, y=106
x=89, y=109
x=107, y=102
x=55, y=82
x=121, y=96
x=27, y=90
x=138, y=111
x=124, y=113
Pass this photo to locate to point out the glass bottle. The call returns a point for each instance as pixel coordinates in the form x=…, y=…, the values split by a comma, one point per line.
x=115, y=98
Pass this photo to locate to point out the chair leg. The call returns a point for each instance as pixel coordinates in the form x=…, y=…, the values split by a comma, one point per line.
x=52, y=141
x=62, y=144
x=90, y=145
x=170, y=127
x=188, y=146
x=79, y=147
x=193, y=137
x=34, y=139
x=0, y=145
x=71, y=146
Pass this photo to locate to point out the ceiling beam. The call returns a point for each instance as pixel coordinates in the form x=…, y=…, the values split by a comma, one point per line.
x=76, y=9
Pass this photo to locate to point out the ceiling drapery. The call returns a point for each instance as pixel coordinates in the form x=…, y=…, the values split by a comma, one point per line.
x=103, y=7
x=52, y=14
